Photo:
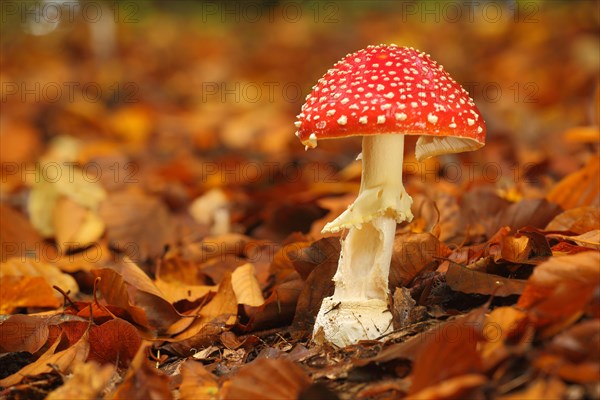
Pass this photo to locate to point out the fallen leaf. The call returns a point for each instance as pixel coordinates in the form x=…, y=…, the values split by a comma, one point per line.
x=561, y=287
x=26, y=291
x=137, y=224
x=322, y=262
x=212, y=209
x=74, y=225
x=245, y=286
x=453, y=388
x=222, y=307
x=28, y=283
x=61, y=360
x=589, y=239
x=126, y=286
x=577, y=220
x=267, y=379
x=535, y=213
x=86, y=381
x=579, y=189
x=463, y=279
x=454, y=345
x=278, y=309
x=197, y=382
x=115, y=342
x=23, y=333
x=540, y=388
x=143, y=380
x=177, y=291
x=70, y=182
x=502, y=325
x=413, y=253
x=19, y=239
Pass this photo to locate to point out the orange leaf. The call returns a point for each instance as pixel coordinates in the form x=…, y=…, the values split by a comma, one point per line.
x=561, y=287
x=143, y=381
x=127, y=286
x=581, y=188
x=267, y=379
x=50, y=360
x=462, y=279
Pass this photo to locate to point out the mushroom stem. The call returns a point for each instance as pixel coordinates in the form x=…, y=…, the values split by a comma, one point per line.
x=381, y=190
x=358, y=308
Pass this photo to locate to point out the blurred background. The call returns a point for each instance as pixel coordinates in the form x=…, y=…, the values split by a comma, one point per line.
x=184, y=98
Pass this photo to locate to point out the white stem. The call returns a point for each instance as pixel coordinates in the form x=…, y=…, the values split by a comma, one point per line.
x=358, y=308
x=381, y=189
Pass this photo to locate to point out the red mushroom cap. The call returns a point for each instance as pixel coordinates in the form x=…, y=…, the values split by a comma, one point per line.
x=388, y=89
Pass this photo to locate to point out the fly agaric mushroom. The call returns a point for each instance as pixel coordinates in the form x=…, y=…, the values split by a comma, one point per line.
x=380, y=93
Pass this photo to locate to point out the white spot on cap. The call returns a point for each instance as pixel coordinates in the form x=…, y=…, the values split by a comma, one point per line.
x=329, y=113
x=433, y=119
x=400, y=116
x=389, y=95
x=386, y=106
x=363, y=120
x=345, y=100
x=342, y=120
x=380, y=87
x=381, y=119
x=321, y=125
x=297, y=124
x=470, y=121
x=414, y=104
x=479, y=129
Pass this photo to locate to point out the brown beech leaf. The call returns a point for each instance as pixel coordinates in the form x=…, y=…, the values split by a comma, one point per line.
x=223, y=307
x=75, y=226
x=325, y=250
x=245, y=286
x=414, y=252
x=114, y=342
x=29, y=333
x=561, y=287
x=142, y=380
x=26, y=291
x=321, y=263
x=177, y=291
x=52, y=359
x=452, y=344
x=278, y=309
x=28, y=283
x=589, y=239
x=465, y=280
x=86, y=381
x=19, y=239
x=458, y=387
x=577, y=220
x=267, y=379
x=137, y=224
x=125, y=285
x=540, y=388
x=574, y=354
x=579, y=189
x=535, y=213
x=501, y=325
x=196, y=382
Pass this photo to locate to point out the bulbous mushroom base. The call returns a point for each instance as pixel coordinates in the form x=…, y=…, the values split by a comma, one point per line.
x=345, y=323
